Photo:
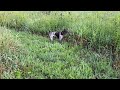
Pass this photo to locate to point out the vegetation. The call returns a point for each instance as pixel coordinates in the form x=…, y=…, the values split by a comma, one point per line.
x=90, y=51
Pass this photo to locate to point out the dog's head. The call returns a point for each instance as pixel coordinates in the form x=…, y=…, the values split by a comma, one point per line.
x=65, y=31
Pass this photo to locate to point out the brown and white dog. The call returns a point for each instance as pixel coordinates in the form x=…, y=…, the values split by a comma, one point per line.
x=59, y=34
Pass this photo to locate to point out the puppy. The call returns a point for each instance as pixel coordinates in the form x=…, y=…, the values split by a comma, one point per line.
x=59, y=34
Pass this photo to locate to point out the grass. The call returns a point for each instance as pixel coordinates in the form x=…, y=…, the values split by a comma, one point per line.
x=90, y=51
x=9, y=48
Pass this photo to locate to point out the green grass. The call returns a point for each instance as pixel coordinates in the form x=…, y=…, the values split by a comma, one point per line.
x=88, y=52
x=43, y=59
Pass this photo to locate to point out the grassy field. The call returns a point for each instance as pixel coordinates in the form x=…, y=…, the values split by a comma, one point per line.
x=90, y=51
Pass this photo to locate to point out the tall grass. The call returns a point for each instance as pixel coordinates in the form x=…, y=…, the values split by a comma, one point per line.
x=98, y=31
x=95, y=31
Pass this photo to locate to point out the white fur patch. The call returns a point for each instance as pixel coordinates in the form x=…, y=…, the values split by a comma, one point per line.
x=60, y=36
x=51, y=35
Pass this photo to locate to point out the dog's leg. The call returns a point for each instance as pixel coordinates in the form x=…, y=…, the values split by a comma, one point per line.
x=60, y=38
x=51, y=35
x=51, y=38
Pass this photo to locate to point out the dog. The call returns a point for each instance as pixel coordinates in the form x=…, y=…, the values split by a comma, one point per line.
x=58, y=34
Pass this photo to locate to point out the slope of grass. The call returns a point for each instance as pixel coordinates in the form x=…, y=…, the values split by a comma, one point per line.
x=52, y=60
x=42, y=59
